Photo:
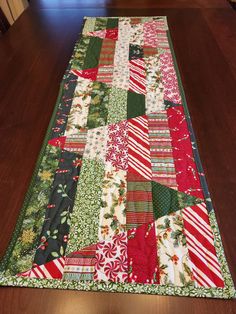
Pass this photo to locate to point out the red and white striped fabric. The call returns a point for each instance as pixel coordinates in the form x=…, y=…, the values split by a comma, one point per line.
x=51, y=270
x=200, y=241
x=137, y=82
x=100, y=33
x=74, y=143
x=139, y=160
x=90, y=73
x=105, y=74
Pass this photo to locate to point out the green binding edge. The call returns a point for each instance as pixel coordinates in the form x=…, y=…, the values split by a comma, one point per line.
x=225, y=293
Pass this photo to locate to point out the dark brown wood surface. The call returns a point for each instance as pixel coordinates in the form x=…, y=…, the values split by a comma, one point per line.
x=4, y=24
x=33, y=57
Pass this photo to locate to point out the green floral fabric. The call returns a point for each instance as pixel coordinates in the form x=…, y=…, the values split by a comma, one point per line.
x=80, y=53
x=98, y=109
x=117, y=107
x=89, y=26
x=174, y=261
x=85, y=216
x=26, y=244
x=101, y=23
x=56, y=225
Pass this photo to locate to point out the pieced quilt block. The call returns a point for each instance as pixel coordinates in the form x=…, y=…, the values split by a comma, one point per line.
x=119, y=200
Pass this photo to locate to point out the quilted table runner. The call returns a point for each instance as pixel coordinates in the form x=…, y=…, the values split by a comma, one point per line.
x=119, y=200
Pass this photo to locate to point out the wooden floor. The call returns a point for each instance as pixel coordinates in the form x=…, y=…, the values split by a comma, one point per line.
x=33, y=56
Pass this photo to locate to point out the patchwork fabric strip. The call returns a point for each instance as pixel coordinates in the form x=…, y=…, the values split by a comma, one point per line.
x=119, y=201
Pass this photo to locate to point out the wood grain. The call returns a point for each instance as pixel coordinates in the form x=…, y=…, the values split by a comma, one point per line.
x=33, y=56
